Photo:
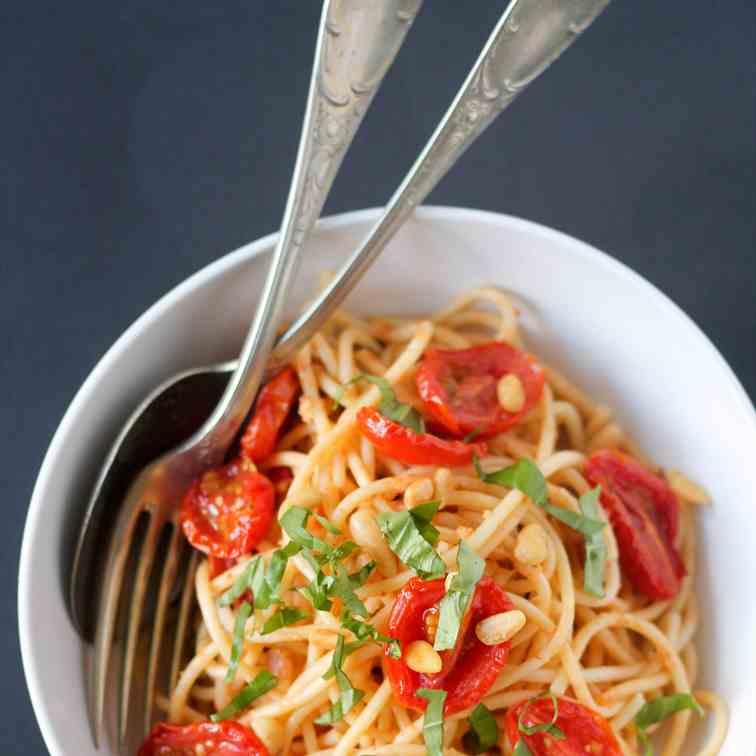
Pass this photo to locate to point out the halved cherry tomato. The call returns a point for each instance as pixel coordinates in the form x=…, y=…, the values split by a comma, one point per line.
x=459, y=387
x=413, y=448
x=219, y=566
x=227, y=738
x=281, y=478
x=585, y=731
x=470, y=669
x=273, y=407
x=228, y=511
x=643, y=511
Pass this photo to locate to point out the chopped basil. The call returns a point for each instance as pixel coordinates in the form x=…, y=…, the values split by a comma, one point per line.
x=595, y=548
x=433, y=721
x=548, y=727
x=456, y=600
x=294, y=522
x=521, y=749
x=329, y=526
x=282, y=618
x=342, y=587
x=357, y=579
x=242, y=583
x=348, y=695
x=318, y=590
x=411, y=537
x=483, y=732
x=473, y=434
x=237, y=644
x=365, y=631
x=389, y=407
x=658, y=710
x=263, y=683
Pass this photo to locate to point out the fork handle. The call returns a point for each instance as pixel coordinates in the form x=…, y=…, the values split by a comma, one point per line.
x=357, y=42
x=530, y=36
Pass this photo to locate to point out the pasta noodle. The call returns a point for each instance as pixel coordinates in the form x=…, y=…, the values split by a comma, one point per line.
x=612, y=654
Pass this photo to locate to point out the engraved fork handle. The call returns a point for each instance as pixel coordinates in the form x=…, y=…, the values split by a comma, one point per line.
x=530, y=36
x=357, y=42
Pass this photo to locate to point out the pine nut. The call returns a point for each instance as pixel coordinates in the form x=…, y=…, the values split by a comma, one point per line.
x=499, y=628
x=421, y=657
x=686, y=489
x=532, y=546
x=417, y=492
x=510, y=392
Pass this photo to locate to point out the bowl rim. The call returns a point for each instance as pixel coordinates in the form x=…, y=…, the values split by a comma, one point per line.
x=428, y=213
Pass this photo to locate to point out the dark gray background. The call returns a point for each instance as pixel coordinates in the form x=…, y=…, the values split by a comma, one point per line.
x=141, y=140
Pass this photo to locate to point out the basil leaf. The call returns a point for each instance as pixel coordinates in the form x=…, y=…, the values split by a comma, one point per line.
x=484, y=731
x=330, y=527
x=433, y=721
x=237, y=644
x=389, y=407
x=365, y=631
x=521, y=749
x=661, y=708
x=276, y=570
x=242, y=583
x=525, y=476
x=262, y=684
x=406, y=534
x=422, y=514
x=456, y=600
x=318, y=590
x=348, y=695
x=473, y=434
x=595, y=548
x=262, y=593
x=358, y=579
x=282, y=618
x=294, y=522
x=342, y=587
x=548, y=727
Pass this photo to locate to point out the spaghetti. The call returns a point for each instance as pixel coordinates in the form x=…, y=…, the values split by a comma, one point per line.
x=612, y=650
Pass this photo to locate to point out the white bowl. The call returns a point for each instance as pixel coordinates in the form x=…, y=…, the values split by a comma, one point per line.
x=603, y=325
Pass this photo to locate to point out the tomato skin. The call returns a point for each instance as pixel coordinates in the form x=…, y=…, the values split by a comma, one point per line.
x=458, y=387
x=281, y=478
x=227, y=738
x=414, y=448
x=273, y=407
x=470, y=669
x=212, y=518
x=644, y=512
x=586, y=731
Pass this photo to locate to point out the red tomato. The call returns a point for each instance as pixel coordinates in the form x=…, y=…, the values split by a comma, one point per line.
x=273, y=407
x=413, y=448
x=469, y=669
x=585, y=731
x=228, y=511
x=281, y=478
x=219, y=566
x=227, y=738
x=643, y=512
x=459, y=387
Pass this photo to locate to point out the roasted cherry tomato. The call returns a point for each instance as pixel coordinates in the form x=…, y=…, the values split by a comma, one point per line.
x=273, y=407
x=459, y=387
x=281, y=478
x=643, y=512
x=413, y=448
x=585, y=732
x=227, y=738
x=228, y=511
x=219, y=566
x=470, y=669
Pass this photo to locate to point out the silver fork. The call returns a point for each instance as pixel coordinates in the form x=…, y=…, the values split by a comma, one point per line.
x=357, y=42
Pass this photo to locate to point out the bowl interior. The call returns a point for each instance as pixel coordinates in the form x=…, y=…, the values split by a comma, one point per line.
x=601, y=324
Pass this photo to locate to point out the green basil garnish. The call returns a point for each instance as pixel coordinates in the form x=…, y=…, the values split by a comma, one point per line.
x=433, y=721
x=389, y=407
x=365, y=631
x=282, y=618
x=411, y=536
x=262, y=684
x=658, y=710
x=456, y=600
x=595, y=548
x=348, y=695
x=483, y=732
x=237, y=644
